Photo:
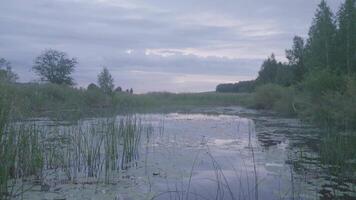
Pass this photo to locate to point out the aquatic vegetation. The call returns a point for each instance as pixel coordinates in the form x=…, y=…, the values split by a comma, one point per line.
x=131, y=130
x=96, y=149
x=21, y=157
x=337, y=153
x=155, y=150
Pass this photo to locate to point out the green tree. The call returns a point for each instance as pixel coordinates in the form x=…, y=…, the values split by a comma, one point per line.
x=268, y=71
x=6, y=73
x=320, y=45
x=346, y=37
x=118, y=89
x=296, y=56
x=92, y=86
x=105, y=81
x=276, y=72
x=55, y=67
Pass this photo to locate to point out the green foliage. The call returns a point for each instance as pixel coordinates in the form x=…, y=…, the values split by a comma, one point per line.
x=92, y=86
x=274, y=97
x=275, y=72
x=105, y=81
x=20, y=156
x=321, y=71
x=340, y=109
x=346, y=37
x=241, y=87
x=51, y=100
x=328, y=99
x=268, y=71
x=337, y=153
x=320, y=47
x=55, y=67
x=6, y=73
x=118, y=89
x=319, y=82
x=296, y=57
x=4, y=105
x=97, y=148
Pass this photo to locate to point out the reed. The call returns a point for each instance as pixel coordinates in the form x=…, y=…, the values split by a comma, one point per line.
x=95, y=149
x=21, y=157
x=131, y=130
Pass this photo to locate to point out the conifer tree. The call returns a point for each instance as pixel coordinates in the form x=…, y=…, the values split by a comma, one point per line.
x=320, y=45
x=346, y=37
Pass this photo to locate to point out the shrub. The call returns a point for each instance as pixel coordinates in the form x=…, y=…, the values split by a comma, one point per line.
x=274, y=97
x=329, y=100
x=318, y=83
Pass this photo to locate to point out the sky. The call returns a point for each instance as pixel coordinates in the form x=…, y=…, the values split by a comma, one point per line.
x=154, y=45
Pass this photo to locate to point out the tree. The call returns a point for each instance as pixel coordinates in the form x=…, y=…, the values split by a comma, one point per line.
x=241, y=86
x=105, y=81
x=296, y=56
x=320, y=45
x=92, y=86
x=118, y=89
x=55, y=67
x=268, y=71
x=6, y=73
x=275, y=72
x=346, y=36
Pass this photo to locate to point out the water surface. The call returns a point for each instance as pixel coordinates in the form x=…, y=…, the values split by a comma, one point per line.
x=217, y=153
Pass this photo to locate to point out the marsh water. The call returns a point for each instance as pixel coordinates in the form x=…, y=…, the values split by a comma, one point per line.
x=212, y=153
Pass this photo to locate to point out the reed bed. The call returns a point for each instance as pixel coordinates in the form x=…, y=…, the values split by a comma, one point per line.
x=88, y=151
x=21, y=157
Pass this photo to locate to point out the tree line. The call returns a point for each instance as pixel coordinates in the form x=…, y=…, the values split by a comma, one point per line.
x=56, y=67
x=330, y=48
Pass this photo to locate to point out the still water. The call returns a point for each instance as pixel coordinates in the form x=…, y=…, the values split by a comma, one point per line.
x=218, y=153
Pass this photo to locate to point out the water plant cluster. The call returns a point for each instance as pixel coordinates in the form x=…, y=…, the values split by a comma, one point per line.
x=91, y=151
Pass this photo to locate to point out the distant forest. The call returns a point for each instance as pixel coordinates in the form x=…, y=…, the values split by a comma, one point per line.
x=330, y=49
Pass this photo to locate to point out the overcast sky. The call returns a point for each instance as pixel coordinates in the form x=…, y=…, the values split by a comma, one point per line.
x=154, y=45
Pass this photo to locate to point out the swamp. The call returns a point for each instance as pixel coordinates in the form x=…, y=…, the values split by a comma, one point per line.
x=178, y=100
x=207, y=153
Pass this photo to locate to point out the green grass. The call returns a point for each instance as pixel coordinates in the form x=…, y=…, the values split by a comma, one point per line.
x=57, y=101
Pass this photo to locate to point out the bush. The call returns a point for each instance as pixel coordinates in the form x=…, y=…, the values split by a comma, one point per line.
x=329, y=100
x=274, y=97
x=340, y=107
x=318, y=83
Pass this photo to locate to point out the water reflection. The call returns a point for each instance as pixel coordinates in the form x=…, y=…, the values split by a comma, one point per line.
x=216, y=156
x=310, y=159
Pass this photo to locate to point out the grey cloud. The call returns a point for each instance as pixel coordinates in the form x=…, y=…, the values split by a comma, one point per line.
x=208, y=38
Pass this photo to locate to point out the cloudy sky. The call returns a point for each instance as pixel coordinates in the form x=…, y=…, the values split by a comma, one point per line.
x=154, y=45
